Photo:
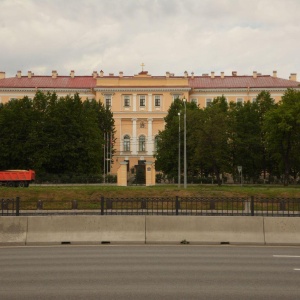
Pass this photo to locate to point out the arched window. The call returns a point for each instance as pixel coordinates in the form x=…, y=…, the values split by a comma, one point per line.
x=142, y=143
x=126, y=143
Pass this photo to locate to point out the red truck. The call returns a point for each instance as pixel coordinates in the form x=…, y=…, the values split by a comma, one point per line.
x=15, y=178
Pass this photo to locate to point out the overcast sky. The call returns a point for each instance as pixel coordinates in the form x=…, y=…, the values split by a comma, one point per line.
x=197, y=36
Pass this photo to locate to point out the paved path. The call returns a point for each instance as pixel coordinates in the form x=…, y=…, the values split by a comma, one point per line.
x=149, y=272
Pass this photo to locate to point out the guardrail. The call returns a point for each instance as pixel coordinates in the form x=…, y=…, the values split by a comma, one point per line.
x=188, y=206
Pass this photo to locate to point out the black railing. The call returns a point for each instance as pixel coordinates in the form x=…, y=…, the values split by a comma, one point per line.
x=188, y=206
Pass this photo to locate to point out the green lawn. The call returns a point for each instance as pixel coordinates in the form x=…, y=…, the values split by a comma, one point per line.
x=94, y=192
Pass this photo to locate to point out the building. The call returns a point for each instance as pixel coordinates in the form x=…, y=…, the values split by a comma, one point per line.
x=140, y=102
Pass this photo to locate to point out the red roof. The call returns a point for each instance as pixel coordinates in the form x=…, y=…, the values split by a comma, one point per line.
x=265, y=81
x=198, y=82
x=67, y=82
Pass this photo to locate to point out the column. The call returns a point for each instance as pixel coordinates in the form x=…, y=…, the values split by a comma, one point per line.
x=134, y=139
x=134, y=102
x=149, y=102
x=149, y=145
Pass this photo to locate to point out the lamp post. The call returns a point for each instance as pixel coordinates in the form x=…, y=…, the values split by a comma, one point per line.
x=179, y=152
x=184, y=160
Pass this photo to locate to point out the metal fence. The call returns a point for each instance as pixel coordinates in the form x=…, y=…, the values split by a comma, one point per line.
x=188, y=206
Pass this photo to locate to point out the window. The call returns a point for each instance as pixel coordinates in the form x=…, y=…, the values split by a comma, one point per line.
x=194, y=100
x=108, y=100
x=142, y=101
x=13, y=99
x=254, y=100
x=156, y=139
x=240, y=100
x=176, y=96
x=142, y=143
x=208, y=102
x=127, y=100
x=126, y=143
x=157, y=100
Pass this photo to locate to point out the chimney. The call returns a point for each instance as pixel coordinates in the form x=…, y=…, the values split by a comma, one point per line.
x=167, y=74
x=254, y=74
x=192, y=75
x=29, y=74
x=120, y=74
x=54, y=74
x=95, y=74
x=222, y=74
x=110, y=74
x=185, y=74
x=2, y=75
x=293, y=77
x=274, y=74
x=212, y=74
x=19, y=74
x=101, y=73
x=72, y=73
x=234, y=73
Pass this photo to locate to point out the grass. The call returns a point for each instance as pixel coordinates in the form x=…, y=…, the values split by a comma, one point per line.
x=94, y=192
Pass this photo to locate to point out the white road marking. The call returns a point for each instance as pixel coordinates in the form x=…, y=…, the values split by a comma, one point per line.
x=287, y=256
x=296, y=269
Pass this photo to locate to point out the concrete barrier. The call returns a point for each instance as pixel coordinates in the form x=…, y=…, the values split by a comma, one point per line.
x=86, y=229
x=149, y=229
x=13, y=230
x=282, y=230
x=204, y=230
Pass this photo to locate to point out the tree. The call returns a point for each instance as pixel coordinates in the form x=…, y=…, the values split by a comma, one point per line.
x=168, y=139
x=210, y=137
x=282, y=128
x=54, y=135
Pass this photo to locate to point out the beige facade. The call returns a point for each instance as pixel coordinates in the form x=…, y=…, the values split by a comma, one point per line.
x=139, y=103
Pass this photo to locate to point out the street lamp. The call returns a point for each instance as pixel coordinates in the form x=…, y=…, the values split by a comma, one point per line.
x=179, y=152
x=184, y=160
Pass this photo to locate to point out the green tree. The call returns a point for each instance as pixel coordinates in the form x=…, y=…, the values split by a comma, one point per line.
x=168, y=139
x=210, y=136
x=282, y=128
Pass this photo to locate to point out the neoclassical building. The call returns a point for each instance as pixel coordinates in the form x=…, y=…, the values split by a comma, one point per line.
x=140, y=102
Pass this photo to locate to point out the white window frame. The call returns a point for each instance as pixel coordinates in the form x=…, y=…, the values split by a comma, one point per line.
x=142, y=143
x=142, y=98
x=176, y=96
x=195, y=100
x=157, y=99
x=127, y=101
x=240, y=100
x=208, y=102
x=126, y=145
x=254, y=100
x=108, y=100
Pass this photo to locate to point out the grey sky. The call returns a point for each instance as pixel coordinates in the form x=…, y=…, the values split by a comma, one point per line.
x=167, y=35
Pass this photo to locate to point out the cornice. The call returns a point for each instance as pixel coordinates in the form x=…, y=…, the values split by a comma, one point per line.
x=144, y=89
x=244, y=90
x=45, y=90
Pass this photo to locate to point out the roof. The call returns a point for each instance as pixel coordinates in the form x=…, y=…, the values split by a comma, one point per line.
x=261, y=81
x=67, y=82
x=196, y=82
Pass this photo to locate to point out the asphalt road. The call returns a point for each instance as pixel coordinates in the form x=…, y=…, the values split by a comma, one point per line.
x=149, y=272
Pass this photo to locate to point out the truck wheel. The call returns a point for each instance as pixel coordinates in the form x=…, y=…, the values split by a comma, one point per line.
x=21, y=184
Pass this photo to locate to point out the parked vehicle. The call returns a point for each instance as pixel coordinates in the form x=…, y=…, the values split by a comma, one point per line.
x=16, y=178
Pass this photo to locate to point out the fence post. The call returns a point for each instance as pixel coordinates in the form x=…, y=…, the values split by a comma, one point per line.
x=252, y=205
x=176, y=205
x=102, y=205
x=17, y=206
